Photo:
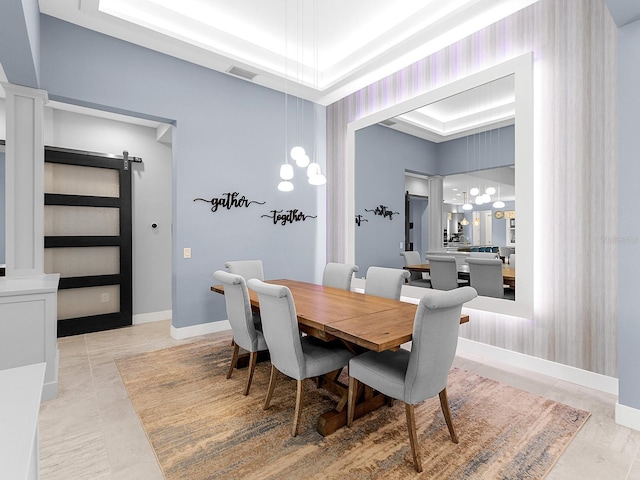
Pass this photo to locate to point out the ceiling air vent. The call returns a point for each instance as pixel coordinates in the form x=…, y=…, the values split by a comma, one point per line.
x=242, y=73
x=387, y=123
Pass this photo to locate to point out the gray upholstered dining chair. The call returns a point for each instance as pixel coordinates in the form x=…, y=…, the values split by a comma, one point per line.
x=504, y=253
x=413, y=376
x=385, y=282
x=485, y=275
x=247, y=268
x=338, y=275
x=444, y=272
x=416, y=279
x=512, y=261
x=295, y=356
x=243, y=322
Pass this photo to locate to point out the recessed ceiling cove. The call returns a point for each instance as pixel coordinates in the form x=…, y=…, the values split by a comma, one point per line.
x=321, y=50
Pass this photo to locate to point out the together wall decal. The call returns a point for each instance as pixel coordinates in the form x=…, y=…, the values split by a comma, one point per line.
x=291, y=216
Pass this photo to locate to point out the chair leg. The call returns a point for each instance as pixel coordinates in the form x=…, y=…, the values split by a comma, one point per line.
x=444, y=403
x=351, y=403
x=413, y=436
x=234, y=359
x=296, y=415
x=272, y=383
x=253, y=359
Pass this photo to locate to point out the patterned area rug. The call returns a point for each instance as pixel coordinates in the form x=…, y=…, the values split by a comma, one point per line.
x=202, y=427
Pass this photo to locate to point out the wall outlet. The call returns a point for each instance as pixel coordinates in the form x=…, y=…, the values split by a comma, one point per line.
x=104, y=298
x=187, y=252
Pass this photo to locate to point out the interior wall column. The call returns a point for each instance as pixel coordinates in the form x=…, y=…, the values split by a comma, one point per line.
x=435, y=212
x=24, y=192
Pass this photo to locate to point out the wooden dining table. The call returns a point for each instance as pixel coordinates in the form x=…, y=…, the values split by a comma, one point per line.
x=361, y=322
x=508, y=274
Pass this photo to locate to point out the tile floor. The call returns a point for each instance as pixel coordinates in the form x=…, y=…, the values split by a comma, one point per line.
x=91, y=430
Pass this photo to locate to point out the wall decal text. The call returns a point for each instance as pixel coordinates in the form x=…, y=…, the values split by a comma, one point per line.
x=383, y=211
x=360, y=219
x=228, y=201
x=290, y=216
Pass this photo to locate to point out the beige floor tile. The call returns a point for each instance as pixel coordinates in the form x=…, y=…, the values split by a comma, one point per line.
x=518, y=378
x=146, y=471
x=634, y=473
x=594, y=401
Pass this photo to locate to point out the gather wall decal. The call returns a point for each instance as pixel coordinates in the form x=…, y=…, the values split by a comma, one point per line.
x=228, y=201
x=383, y=211
x=283, y=217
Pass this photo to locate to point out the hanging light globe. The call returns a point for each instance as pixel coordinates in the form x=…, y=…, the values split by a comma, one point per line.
x=498, y=204
x=479, y=200
x=318, y=179
x=286, y=171
x=474, y=191
x=467, y=206
x=490, y=190
x=303, y=161
x=297, y=152
x=285, y=186
x=313, y=169
x=486, y=198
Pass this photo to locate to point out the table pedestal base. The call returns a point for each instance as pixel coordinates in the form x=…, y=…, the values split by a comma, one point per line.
x=333, y=420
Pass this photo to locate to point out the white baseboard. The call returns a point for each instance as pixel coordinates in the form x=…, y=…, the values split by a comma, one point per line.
x=627, y=416
x=152, y=317
x=201, y=329
x=552, y=369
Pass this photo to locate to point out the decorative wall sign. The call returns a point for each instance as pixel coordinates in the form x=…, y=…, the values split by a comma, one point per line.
x=291, y=216
x=360, y=219
x=383, y=212
x=228, y=200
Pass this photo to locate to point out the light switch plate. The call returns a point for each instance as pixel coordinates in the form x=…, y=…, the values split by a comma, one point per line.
x=187, y=252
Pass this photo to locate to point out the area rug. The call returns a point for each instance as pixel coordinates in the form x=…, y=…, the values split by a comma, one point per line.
x=202, y=427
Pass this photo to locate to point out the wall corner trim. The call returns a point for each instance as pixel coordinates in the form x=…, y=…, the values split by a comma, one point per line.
x=201, y=329
x=627, y=416
x=560, y=371
x=140, y=318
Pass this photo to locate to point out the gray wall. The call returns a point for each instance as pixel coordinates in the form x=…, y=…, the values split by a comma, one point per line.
x=229, y=137
x=628, y=239
x=495, y=148
x=382, y=156
x=20, y=35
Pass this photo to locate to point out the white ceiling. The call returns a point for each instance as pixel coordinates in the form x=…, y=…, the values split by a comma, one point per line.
x=321, y=50
x=483, y=108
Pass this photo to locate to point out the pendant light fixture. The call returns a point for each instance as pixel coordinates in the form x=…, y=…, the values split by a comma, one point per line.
x=314, y=172
x=286, y=169
x=466, y=205
x=498, y=203
x=298, y=153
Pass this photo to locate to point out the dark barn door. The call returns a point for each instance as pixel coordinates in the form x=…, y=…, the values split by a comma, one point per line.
x=88, y=238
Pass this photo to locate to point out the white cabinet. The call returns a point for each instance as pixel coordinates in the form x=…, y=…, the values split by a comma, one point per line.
x=19, y=407
x=28, y=325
